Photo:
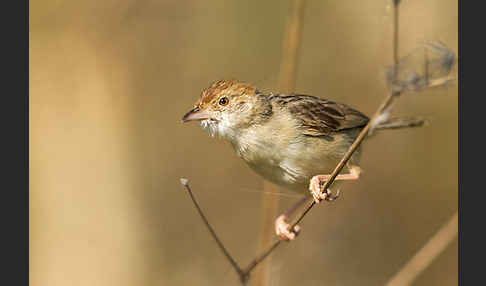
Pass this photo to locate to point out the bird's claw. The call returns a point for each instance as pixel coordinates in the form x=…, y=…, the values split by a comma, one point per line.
x=318, y=195
x=282, y=229
x=330, y=197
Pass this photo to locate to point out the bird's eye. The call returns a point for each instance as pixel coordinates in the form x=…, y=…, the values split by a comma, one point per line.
x=223, y=101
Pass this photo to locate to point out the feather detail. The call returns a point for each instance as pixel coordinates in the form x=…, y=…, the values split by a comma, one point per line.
x=317, y=116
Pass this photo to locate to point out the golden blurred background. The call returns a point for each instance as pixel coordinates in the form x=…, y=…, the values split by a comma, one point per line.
x=109, y=83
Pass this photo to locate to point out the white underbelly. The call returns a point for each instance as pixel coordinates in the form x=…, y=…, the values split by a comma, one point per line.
x=292, y=163
x=292, y=173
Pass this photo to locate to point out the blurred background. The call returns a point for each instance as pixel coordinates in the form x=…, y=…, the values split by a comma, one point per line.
x=109, y=83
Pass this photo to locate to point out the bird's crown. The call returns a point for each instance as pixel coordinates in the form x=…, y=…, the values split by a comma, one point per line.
x=225, y=87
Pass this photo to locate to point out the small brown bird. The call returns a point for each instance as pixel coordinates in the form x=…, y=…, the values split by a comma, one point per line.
x=292, y=140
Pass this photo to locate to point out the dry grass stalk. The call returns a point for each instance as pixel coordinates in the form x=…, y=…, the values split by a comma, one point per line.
x=426, y=255
x=288, y=71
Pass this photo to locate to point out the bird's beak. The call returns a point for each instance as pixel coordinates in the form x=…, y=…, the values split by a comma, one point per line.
x=195, y=114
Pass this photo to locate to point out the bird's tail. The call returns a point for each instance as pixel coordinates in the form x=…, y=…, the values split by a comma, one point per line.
x=400, y=122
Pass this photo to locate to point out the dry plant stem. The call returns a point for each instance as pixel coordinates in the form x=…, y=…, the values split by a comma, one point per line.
x=290, y=48
x=235, y=265
x=426, y=255
x=244, y=274
x=288, y=70
x=269, y=250
x=261, y=257
x=269, y=211
x=395, y=32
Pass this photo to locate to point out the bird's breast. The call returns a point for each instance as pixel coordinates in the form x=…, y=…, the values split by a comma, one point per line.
x=290, y=163
x=275, y=160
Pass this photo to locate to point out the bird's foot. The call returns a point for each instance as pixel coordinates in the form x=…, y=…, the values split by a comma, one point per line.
x=282, y=228
x=315, y=190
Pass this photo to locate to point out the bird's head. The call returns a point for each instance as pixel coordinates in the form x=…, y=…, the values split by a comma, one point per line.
x=227, y=107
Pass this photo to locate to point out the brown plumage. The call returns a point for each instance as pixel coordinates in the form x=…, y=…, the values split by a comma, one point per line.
x=320, y=116
x=220, y=87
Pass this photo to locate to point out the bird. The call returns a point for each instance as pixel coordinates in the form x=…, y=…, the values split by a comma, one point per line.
x=291, y=140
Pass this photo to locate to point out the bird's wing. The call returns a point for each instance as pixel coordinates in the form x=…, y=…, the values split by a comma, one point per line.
x=319, y=117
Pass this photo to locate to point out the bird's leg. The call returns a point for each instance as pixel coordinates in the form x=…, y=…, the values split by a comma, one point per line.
x=315, y=184
x=282, y=227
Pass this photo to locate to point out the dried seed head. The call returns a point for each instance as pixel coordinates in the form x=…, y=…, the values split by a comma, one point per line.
x=426, y=66
x=184, y=181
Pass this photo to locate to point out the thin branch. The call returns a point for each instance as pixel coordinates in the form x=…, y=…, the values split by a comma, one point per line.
x=269, y=209
x=241, y=273
x=427, y=254
x=262, y=256
x=395, y=31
